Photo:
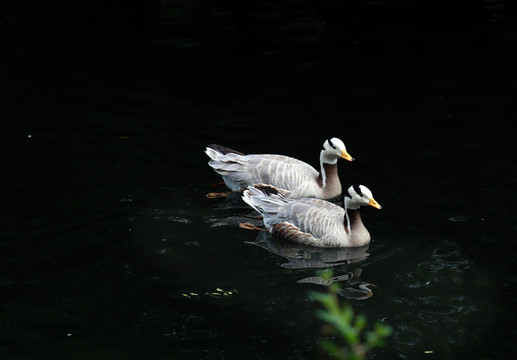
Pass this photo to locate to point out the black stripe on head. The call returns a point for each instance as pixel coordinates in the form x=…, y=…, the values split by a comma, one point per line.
x=330, y=142
x=348, y=194
x=357, y=189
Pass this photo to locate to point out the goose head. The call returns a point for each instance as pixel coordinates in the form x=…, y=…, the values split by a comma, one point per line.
x=359, y=195
x=333, y=149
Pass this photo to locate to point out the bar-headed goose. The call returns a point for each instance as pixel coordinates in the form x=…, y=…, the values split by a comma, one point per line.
x=313, y=222
x=294, y=178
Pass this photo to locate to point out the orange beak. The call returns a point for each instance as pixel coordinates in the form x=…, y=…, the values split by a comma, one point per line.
x=374, y=203
x=346, y=156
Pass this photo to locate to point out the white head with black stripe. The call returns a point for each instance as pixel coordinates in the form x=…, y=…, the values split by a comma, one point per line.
x=333, y=149
x=359, y=195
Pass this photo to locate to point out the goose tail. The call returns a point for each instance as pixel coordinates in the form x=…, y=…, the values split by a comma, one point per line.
x=265, y=199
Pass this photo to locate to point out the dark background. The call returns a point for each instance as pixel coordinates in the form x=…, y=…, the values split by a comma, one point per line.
x=231, y=53
x=106, y=107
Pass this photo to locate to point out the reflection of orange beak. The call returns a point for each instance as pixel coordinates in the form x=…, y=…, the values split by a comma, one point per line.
x=346, y=156
x=374, y=203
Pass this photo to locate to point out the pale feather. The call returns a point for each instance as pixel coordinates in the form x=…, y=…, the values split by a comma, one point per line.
x=294, y=177
x=307, y=221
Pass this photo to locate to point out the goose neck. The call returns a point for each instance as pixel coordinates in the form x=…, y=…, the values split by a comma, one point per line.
x=352, y=219
x=328, y=173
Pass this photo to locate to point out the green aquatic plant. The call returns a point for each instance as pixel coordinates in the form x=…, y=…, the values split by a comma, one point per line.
x=352, y=339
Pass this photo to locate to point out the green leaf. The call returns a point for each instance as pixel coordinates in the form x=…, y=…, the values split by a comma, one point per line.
x=342, y=321
x=360, y=322
x=347, y=314
x=329, y=318
x=383, y=330
x=326, y=274
x=372, y=338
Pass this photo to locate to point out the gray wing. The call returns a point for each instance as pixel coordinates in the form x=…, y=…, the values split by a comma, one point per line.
x=300, y=221
x=318, y=222
x=334, y=210
x=281, y=171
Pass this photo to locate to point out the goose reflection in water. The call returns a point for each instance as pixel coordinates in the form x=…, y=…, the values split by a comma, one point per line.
x=351, y=289
x=301, y=256
x=307, y=257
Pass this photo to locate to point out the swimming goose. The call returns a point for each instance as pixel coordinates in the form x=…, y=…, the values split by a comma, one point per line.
x=313, y=222
x=294, y=178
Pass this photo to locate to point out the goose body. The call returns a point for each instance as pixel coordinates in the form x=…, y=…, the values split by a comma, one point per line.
x=313, y=222
x=293, y=178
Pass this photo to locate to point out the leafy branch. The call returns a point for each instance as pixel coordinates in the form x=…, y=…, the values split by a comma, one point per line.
x=342, y=322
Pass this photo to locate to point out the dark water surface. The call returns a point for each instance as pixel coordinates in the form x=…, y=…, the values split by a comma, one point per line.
x=109, y=247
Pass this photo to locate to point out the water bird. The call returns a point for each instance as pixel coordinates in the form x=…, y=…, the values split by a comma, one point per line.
x=293, y=178
x=313, y=222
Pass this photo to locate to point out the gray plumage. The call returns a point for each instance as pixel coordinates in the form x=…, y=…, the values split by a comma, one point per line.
x=293, y=178
x=312, y=221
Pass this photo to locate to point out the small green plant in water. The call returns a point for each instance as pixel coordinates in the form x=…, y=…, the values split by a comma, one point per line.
x=350, y=328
